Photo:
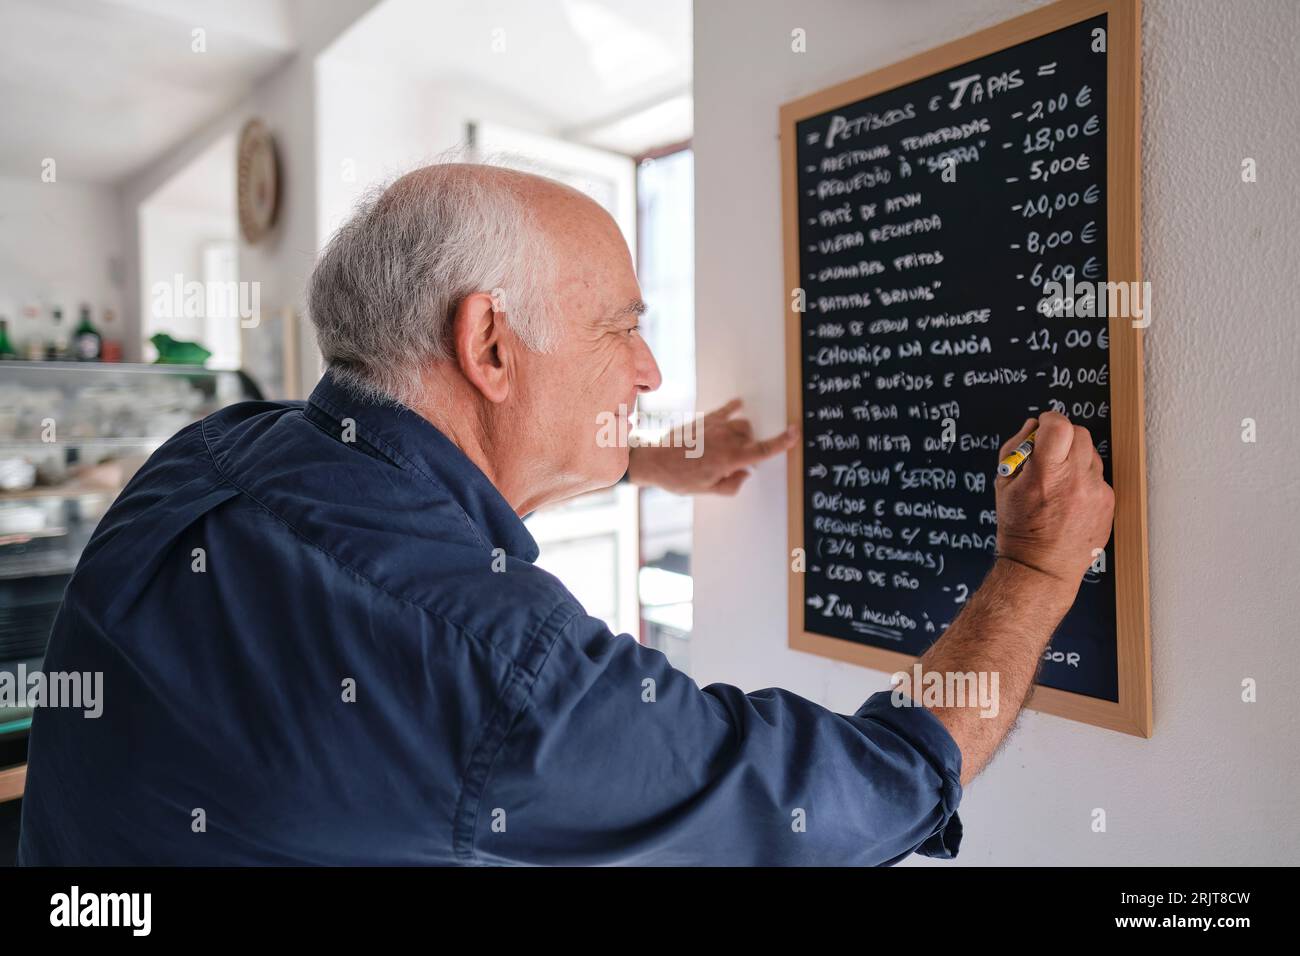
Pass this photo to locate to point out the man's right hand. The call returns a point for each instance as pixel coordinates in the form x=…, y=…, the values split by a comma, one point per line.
x=1052, y=514
x=1057, y=508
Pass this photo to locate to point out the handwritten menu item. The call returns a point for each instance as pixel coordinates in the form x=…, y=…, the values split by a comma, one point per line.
x=946, y=219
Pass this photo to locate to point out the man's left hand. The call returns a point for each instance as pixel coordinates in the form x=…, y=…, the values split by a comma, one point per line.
x=728, y=450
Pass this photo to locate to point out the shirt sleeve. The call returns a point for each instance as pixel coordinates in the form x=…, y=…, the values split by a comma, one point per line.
x=618, y=758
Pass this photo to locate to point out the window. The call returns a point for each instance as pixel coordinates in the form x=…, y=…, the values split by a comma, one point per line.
x=666, y=269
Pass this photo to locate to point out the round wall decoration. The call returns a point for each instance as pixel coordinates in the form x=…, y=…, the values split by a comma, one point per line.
x=259, y=181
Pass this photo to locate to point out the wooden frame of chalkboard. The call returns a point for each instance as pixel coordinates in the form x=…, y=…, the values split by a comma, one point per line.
x=1131, y=712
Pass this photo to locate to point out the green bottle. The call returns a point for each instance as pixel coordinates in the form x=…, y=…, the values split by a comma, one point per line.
x=87, y=343
x=6, y=349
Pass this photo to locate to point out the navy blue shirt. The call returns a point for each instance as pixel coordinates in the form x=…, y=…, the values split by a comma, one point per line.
x=323, y=640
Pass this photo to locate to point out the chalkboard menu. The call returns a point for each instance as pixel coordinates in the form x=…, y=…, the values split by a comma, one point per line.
x=942, y=233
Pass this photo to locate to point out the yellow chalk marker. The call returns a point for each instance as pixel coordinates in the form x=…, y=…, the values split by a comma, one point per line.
x=1007, y=466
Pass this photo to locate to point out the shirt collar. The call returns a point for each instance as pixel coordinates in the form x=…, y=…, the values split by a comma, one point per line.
x=411, y=442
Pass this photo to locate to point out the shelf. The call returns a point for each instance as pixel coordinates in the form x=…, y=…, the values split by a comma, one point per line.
x=26, y=537
x=12, y=782
x=23, y=443
x=132, y=368
x=45, y=568
x=69, y=489
x=110, y=418
x=43, y=562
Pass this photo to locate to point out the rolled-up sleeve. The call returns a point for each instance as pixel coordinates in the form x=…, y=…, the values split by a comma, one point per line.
x=615, y=757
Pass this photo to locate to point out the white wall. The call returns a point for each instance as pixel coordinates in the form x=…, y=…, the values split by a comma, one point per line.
x=60, y=244
x=179, y=223
x=136, y=193
x=376, y=123
x=285, y=101
x=1217, y=782
x=173, y=241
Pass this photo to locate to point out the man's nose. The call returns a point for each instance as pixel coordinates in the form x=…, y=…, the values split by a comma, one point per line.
x=648, y=377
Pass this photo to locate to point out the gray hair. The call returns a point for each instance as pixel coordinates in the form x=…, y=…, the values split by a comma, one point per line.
x=385, y=291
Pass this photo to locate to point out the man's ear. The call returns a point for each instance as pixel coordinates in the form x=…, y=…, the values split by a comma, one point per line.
x=482, y=343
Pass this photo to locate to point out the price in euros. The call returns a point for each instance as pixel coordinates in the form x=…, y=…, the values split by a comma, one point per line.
x=1040, y=340
x=1049, y=137
x=1059, y=104
x=1045, y=169
x=1049, y=205
x=1065, y=377
x=1037, y=243
x=1091, y=269
x=1076, y=411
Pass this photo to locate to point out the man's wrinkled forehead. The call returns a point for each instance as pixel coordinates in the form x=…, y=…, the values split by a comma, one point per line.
x=593, y=263
x=578, y=226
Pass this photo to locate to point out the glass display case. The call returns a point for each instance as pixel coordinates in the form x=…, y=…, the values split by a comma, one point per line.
x=71, y=436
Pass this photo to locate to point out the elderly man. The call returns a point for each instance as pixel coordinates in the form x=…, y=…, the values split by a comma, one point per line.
x=324, y=641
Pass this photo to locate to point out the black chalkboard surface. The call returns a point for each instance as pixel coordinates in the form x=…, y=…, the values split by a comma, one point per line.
x=931, y=220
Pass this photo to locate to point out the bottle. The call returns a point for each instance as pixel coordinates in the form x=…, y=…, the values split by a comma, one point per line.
x=34, y=344
x=87, y=342
x=56, y=350
x=111, y=350
x=6, y=349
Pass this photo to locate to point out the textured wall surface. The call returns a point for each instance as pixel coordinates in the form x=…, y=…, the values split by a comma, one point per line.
x=1217, y=782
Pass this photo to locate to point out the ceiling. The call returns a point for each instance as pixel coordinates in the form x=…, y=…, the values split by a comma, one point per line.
x=611, y=73
x=204, y=185
x=105, y=86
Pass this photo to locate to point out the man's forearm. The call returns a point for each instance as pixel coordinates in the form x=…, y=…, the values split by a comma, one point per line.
x=1003, y=629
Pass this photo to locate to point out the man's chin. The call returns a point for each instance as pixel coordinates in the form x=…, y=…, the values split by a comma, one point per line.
x=611, y=469
x=618, y=468
x=606, y=475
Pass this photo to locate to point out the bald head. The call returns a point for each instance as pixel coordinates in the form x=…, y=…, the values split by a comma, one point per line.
x=537, y=192
x=386, y=288
x=584, y=239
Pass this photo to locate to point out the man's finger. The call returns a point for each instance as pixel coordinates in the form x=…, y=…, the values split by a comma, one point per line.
x=724, y=412
x=1055, y=436
x=742, y=427
x=765, y=449
x=1081, y=447
x=730, y=484
x=1010, y=445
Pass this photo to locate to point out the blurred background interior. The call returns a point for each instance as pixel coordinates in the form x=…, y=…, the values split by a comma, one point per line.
x=154, y=247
